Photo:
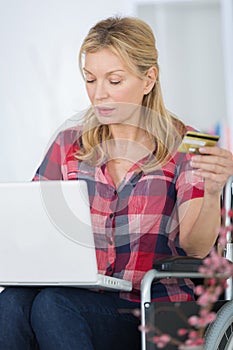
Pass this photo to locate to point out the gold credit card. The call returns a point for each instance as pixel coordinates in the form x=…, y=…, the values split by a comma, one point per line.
x=192, y=141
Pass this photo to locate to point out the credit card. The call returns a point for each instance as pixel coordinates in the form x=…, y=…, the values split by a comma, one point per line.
x=192, y=141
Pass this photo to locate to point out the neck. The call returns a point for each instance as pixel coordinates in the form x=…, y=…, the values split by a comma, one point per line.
x=129, y=142
x=127, y=132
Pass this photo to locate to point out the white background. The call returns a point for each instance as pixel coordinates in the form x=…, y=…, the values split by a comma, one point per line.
x=40, y=85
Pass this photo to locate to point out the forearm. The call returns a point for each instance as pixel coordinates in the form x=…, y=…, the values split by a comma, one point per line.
x=198, y=239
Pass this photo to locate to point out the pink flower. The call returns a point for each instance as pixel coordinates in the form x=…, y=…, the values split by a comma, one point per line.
x=193, y=320
x=202, y=323
x=165, y=338
x=203, y=312
x=189, y=342
x=136, y=312
x=211, y=317
x=143, y=328
x=199, y=341
x=182, y=331
x=161, y=341
x=155, y=339
x=199, y=290
x=212, y=281
x=203, y=300
x=193, y=335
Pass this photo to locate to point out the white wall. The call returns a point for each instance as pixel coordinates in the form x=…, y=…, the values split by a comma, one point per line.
x=189, y=38
x=40, y=85
x=227, y=35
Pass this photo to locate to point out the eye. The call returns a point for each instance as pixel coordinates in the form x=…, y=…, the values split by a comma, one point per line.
x=89, y=78
x=90, y=81
x=115, y=82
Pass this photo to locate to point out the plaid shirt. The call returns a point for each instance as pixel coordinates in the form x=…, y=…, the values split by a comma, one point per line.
x=135, y=224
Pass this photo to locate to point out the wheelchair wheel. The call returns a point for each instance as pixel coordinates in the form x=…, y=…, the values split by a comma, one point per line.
x=219, y=335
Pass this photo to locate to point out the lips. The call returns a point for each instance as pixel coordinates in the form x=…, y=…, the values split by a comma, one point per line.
x=105, y=111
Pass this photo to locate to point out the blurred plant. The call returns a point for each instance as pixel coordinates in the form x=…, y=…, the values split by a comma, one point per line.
x=216, y=269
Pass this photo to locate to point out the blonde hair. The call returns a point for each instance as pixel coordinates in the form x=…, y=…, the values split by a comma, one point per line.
x=132, y=40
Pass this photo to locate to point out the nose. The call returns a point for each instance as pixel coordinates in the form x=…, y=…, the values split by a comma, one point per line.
x=100, y=91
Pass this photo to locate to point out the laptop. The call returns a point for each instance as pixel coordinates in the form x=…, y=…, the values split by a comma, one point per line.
x=46, y=237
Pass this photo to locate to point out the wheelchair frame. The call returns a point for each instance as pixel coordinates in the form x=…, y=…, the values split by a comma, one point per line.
x=219, y=335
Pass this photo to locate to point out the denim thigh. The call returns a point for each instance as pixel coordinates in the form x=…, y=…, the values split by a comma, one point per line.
x=15, y=312
x=75, y=318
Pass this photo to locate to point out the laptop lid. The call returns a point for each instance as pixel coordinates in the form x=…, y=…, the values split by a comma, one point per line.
x=46, y=236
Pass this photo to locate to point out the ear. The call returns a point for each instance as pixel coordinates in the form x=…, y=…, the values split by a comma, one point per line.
x=150, y=79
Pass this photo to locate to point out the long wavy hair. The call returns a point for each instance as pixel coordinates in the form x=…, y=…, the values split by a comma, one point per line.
x=133, y=41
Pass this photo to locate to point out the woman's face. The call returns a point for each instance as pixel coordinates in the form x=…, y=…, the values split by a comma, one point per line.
x=114, y=91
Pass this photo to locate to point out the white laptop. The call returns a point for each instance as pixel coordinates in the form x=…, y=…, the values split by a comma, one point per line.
x=46, y=237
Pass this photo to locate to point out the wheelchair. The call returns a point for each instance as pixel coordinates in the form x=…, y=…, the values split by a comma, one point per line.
x=219, y=334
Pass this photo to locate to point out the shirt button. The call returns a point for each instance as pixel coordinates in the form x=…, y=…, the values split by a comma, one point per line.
x=109, y=268
x=115, y=192
x=110, y=242
x=111, y=215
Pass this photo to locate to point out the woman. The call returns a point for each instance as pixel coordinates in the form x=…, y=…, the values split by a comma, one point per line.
x=147, y=200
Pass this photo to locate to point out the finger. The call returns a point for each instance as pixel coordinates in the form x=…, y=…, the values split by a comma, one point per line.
x=210, y=168
x=221, y=152
x=216, y=177
x=202, y=169
x=198, y=160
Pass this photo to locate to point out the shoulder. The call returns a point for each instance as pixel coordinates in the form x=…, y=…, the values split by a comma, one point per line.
x=70, y=136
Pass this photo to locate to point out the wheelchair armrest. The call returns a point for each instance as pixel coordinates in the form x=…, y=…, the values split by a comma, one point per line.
x=178, y=264
x=176, y=267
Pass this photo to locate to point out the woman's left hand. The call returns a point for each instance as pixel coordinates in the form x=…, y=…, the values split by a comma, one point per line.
x=215, y=166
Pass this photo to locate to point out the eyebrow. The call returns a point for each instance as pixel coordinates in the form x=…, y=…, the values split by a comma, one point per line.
x=108, y=73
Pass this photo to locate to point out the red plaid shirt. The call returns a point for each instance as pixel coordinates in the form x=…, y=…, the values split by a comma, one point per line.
x=136, y=223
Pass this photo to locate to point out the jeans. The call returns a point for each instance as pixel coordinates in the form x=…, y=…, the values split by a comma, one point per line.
x=64, y=318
